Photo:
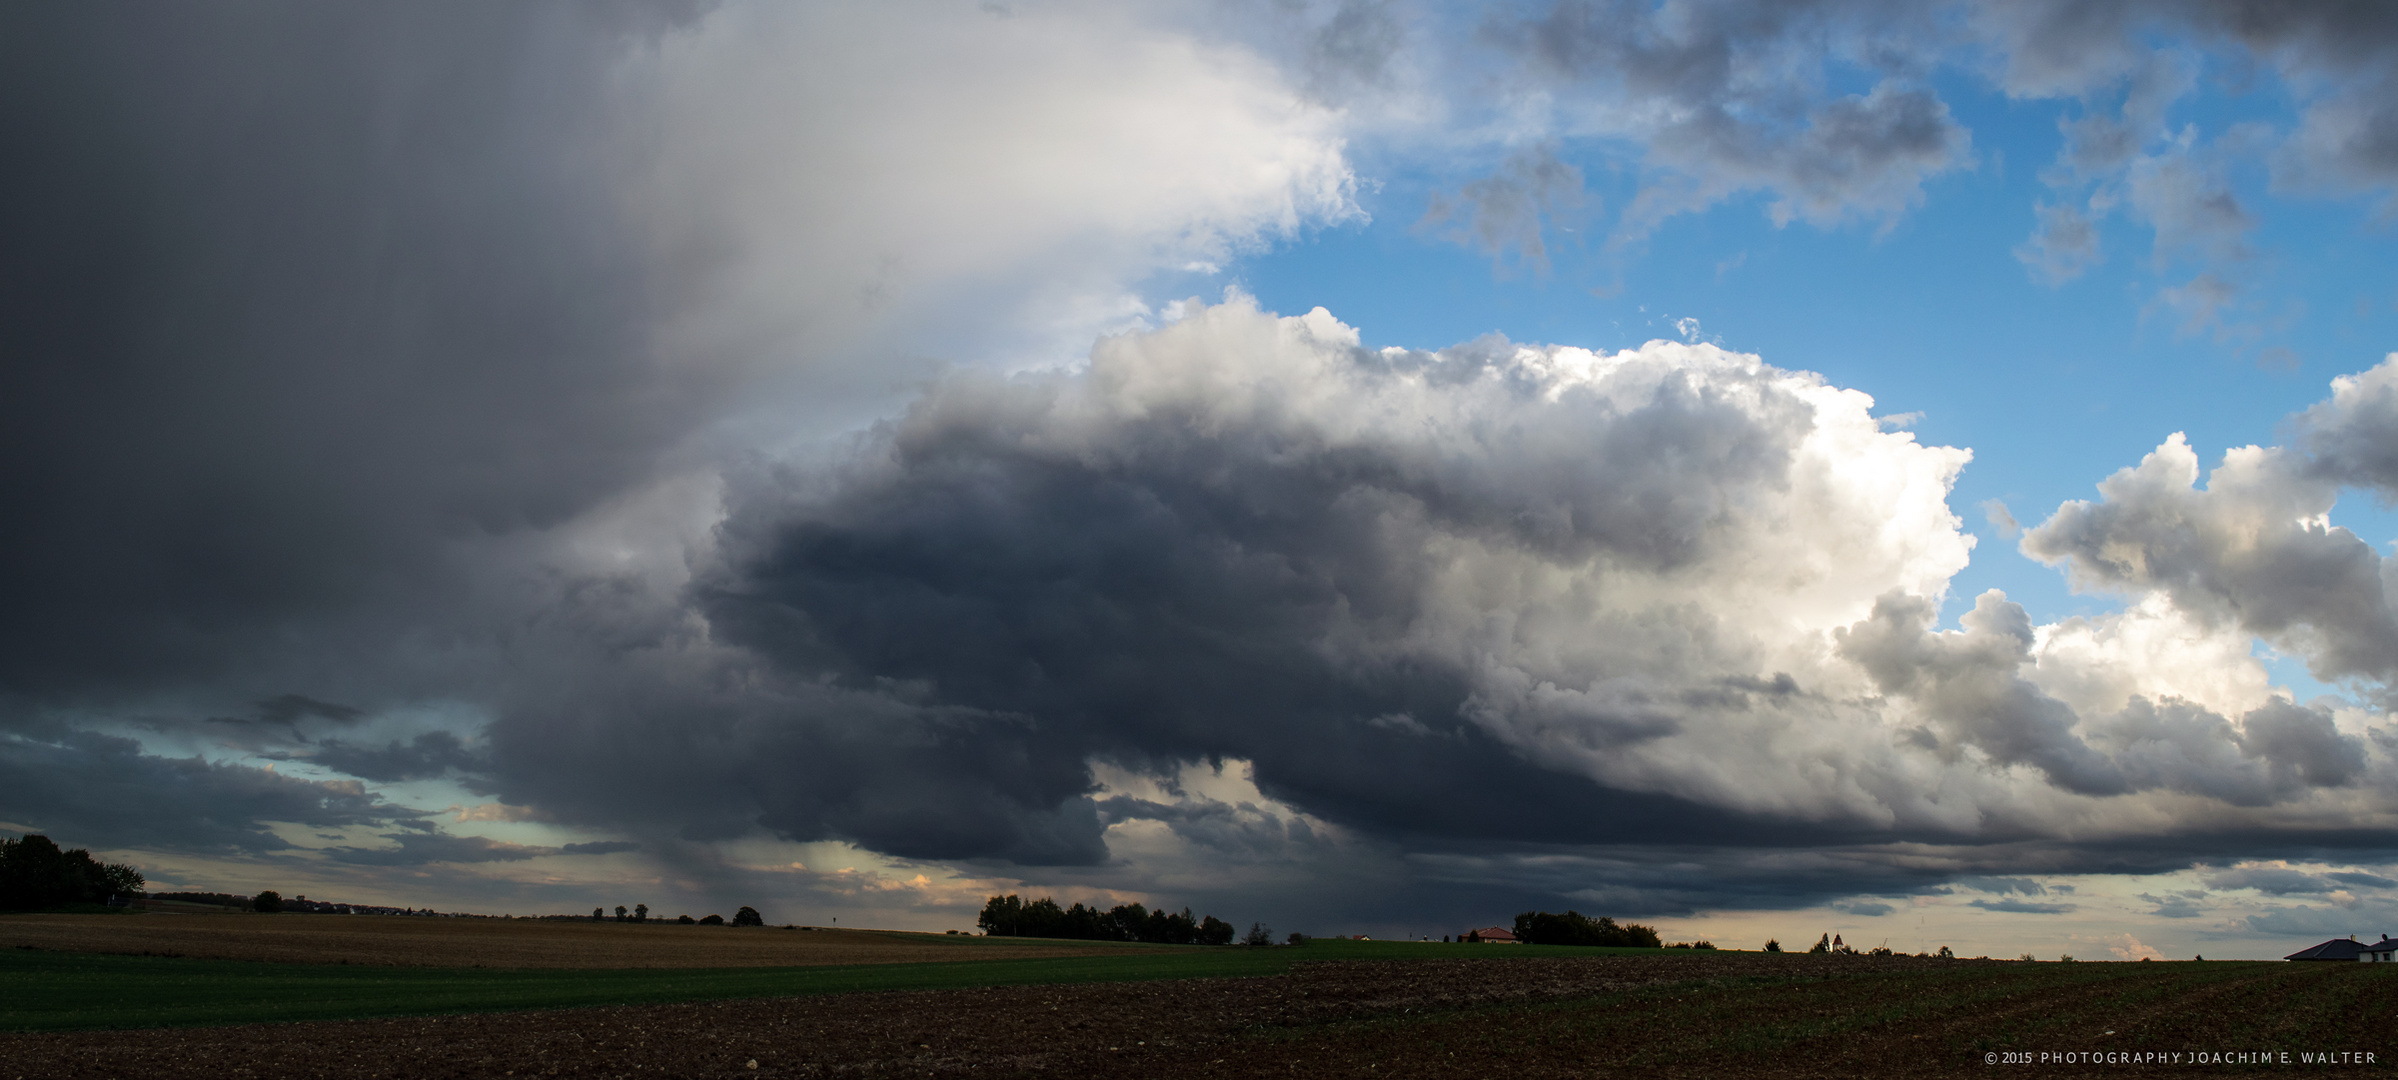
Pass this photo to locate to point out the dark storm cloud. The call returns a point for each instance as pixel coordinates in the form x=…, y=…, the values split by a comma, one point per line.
x=921, y=652
x=716, y=745
x=100, y=790
x=293, y=708
x=1169, y=595
x=293, y=296
x=426, y=847
x=600, y=847
x=1243, y=539
x=432, y=754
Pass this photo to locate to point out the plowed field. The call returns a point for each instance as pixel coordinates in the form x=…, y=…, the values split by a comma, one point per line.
x=414, y=941
x=1734, y=1015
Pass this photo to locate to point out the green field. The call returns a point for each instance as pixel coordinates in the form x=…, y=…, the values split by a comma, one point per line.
x=56, y=991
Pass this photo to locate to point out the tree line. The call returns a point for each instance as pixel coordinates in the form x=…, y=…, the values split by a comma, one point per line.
x=1573, y=928
x=35, y=874
x=747, y=916
x=1013, y=916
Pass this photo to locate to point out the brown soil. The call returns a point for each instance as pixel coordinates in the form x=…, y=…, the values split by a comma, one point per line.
x=417, y=941
x=1450, y=1019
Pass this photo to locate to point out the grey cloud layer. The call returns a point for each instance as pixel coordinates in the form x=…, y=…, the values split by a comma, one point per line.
x=335, y=334
x=103, y=791
x=1726, y=97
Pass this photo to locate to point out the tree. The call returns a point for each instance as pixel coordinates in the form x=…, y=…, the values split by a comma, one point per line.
x=1573, y=928
x=123, y=880
x=712, y=920
x=1297, y=938
x=1945, y=954
x=620, y=913
x=269, y=902
x=685, y=920
x=1014, y=916
x=1773, y=945
x=748, y=916
x=1001, y=914
x=1823, y=945
x=1259, y=934
x=641, y=913
x=34, y=874
x=598, y=914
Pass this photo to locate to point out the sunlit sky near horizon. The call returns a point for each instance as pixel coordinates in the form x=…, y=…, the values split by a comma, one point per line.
x=1913, y=471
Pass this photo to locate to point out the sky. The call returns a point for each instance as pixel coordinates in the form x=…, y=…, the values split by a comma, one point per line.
x=1916, y=471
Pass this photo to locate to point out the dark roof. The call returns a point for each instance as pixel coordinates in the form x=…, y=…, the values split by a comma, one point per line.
x=2335, y=949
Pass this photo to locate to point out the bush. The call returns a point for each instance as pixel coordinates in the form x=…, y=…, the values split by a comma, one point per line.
x=1572, y=928
x=748, y=916
x=269, y=902
x=1258, y=935
x=712, y=920
x=685, y=920
x=1773, y=945
x=1296, y=938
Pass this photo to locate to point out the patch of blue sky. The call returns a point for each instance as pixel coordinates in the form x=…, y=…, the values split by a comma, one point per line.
x=2052, y=386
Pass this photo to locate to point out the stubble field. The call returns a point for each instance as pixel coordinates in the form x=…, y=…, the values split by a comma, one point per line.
x=417, y=941
x=1349, y=1009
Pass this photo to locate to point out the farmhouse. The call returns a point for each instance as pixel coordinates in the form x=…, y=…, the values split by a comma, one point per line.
x=1490, y=935
x=2348, y=948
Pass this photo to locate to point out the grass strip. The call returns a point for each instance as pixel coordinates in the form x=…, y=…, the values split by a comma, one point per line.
x=58, y=991
x=46, y=991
